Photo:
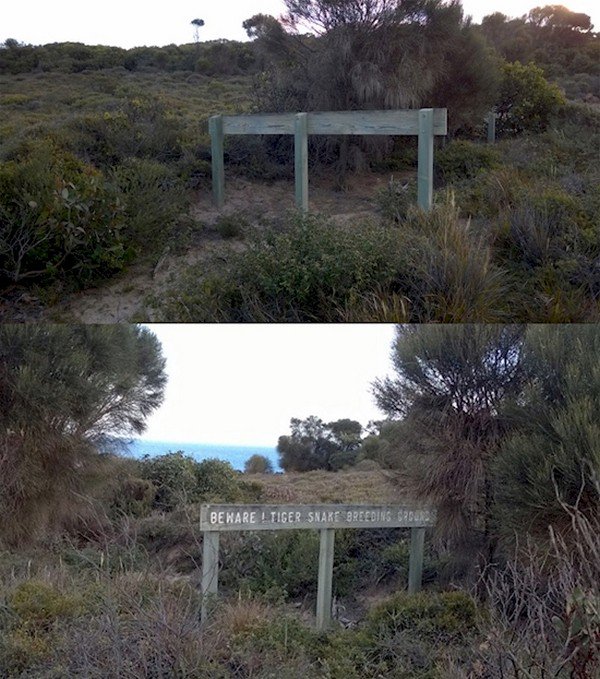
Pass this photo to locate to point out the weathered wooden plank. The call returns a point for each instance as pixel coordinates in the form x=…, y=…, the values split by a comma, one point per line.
x=260, y=123
x=425, y=169
x=415, y=564
x=209, y=584
x=325, y=581
x=397, y=122
x=301, y=161
x=279, y=517
x=215, y=128
x=389, y=122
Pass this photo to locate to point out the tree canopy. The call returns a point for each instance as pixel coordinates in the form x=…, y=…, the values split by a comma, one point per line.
x=495, y=425
x=65, y=390
x=313, y=444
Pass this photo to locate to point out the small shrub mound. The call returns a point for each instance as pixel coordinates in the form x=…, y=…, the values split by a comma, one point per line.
x=59, y=217
x=464, y=160
x=445, y=616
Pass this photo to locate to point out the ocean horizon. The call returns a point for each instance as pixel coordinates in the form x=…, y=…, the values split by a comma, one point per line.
x=235, y=455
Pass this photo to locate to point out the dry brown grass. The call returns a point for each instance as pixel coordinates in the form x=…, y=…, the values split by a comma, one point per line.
x=328, y=487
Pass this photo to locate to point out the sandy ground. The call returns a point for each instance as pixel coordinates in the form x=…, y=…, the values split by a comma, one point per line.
x=125, y=297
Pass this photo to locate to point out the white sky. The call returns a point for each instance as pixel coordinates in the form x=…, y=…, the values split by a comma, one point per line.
x=128, y=23
x=242, y=384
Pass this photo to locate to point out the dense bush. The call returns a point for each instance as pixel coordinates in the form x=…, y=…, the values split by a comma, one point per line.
x=154, y=202
x=141, y=127
x=174, y=477
x=59, y=217
x=433, y=266
x=180, y=480
x=464, y=160
x=305, y=272
x=258, y=464
x=527, y=100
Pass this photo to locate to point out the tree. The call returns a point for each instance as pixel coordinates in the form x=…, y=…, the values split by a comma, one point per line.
x=553, y=454
x=65, y=390
x=376, y=54
x=316, y=445
x=197, y=24
x=447, y=395
x=258, y=464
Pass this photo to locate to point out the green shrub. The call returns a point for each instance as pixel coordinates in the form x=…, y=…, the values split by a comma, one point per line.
x=527, y=101
x=153, y=200
x=131, y=497
x=464, y=160
x=140, y=128
x=280, y=564
x=231, y=226
x=174, y=477
x=59, y=218
x=306, y=272
x=38, y=604
x=447, y=616
x=394, y=201
x=258, y=464
x=216, y=480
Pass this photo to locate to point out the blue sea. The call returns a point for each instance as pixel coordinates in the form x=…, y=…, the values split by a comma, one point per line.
x=236, y=455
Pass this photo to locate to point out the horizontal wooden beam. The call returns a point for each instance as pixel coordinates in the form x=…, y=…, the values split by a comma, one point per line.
x=286, y=517
x=390, y=122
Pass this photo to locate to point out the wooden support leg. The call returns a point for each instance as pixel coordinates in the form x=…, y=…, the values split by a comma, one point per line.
x=301, y=161
x=425, y=170
x=415, y=565
x=210, y=570
x=215, y=128
x=325, y=579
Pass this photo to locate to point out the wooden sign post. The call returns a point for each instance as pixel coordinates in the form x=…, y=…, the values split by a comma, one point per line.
x=215, y=519
x=425, y=124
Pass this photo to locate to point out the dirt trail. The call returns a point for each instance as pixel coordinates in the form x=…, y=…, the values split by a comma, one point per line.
x=125, y=297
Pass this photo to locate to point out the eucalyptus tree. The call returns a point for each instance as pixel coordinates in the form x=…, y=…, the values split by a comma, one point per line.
x=64, y=391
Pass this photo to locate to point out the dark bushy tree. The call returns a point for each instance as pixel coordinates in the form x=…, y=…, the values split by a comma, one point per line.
x=449, y=387
x=553, y=456
x=380, y=54
x=63, y=391
x=258, y=464
x=316, y=445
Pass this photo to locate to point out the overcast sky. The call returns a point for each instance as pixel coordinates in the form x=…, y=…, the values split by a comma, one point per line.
x=130, y=23
x=241, y=384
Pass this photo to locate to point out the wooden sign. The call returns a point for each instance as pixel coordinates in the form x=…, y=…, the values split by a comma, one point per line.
x=424, y=123
x=277, y=517
x=215, y=519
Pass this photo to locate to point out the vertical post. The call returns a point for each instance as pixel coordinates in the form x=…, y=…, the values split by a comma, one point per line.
x=215, y=128
x=415, y=564
x=425, y=169
x=491, y=127
x=210, y=570
x=301, y=160
x=325, y=578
